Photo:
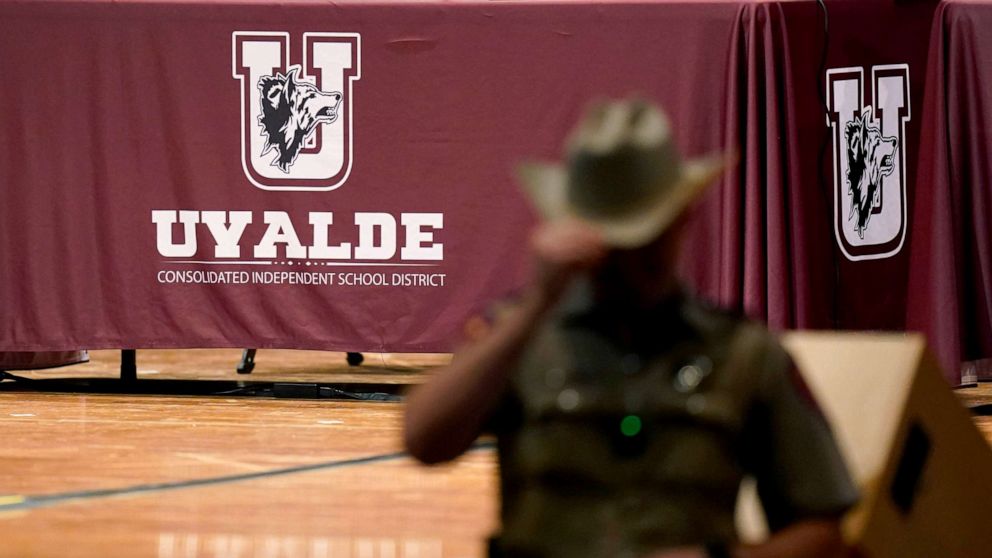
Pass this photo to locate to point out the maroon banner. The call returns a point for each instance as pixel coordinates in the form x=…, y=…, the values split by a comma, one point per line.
x=340, y=175
x=303, y=174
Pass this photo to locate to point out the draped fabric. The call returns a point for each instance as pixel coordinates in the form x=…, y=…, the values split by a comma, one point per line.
x=775, y=246
x=766, y=253
x=951, y=257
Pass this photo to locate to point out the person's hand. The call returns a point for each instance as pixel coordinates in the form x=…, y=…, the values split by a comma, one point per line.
x=682, y=552
x=563, y=249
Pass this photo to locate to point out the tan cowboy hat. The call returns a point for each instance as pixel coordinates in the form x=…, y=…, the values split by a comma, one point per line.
x=624, y=174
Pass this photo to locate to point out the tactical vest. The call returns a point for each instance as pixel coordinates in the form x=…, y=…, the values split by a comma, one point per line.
x=619, y=452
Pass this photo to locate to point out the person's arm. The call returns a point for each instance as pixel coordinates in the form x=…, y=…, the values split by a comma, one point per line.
x=444, y=416
x=811, y=538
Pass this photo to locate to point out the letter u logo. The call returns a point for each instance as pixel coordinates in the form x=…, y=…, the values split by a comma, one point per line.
x=869, y=165
x=296, y=119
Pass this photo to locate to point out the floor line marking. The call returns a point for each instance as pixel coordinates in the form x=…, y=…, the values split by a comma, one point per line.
x=22, y=502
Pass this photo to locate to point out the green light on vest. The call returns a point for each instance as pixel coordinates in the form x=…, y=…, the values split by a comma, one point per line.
x=630, y=425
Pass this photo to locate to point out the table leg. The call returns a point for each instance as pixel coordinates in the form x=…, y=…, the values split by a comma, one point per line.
x=129, y=365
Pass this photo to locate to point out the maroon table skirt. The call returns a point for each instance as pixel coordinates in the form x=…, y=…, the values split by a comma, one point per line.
x=951, y=264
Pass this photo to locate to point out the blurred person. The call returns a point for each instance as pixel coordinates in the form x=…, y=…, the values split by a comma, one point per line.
x=626, y=411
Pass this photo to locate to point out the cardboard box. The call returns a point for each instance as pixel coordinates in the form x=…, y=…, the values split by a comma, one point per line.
x=924, y=469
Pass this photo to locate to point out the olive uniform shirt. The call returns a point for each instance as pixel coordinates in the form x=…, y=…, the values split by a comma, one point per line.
x=624, y=434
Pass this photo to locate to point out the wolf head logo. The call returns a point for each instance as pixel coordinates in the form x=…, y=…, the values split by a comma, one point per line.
x=291, y=111
x=870, y=158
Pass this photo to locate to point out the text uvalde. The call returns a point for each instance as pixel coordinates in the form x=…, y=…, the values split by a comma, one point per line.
x=379, y=235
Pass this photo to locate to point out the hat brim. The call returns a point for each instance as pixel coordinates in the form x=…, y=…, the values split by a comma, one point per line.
x=546, y=185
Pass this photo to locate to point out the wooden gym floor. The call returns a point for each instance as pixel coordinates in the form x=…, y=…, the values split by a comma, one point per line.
x=222, y=476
